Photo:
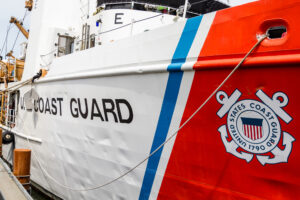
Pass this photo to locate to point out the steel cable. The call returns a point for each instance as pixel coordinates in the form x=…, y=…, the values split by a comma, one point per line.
x=6, y=37
x=19, y=31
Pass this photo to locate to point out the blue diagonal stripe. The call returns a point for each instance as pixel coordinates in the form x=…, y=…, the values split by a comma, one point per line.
x=169, y=102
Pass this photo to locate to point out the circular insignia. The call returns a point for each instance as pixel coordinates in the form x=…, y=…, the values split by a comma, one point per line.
x=253, y=126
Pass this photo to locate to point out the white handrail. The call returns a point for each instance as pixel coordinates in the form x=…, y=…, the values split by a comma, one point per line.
x=34, y=139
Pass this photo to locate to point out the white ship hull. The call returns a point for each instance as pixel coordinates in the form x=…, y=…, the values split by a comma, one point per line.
x=94, y=120
x=82, y=147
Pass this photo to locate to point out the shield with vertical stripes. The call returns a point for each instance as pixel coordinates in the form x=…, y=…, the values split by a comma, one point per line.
x=252, y=128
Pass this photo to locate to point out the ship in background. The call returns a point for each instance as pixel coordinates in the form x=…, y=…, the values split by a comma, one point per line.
x=118, y=78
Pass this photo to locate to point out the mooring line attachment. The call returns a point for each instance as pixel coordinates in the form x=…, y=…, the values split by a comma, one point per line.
x=20, y=84
x=46, y=174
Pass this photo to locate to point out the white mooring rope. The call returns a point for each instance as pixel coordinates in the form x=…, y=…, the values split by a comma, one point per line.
x=45, y=173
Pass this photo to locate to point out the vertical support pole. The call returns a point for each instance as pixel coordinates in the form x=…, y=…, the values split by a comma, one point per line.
x=21, y=165
x=2, y=108
x=7, y=109
x=15, y=69
x=88, y=37
x=0, y=142
x=83, y=38
x=185, y=8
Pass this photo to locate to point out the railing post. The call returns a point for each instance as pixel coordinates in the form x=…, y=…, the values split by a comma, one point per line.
x=185, y=8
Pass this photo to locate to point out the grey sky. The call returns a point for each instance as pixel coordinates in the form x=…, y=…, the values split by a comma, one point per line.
x=17, y=9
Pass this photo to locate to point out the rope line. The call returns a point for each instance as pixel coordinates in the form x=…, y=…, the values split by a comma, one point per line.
x=6, y=37
x=130, y=24
x=46, y=174
x=15, y=41
x=17, y=86
x=19, y=31
x=54, y=50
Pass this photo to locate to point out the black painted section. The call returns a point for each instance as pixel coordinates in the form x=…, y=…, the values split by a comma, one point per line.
x=201, y=7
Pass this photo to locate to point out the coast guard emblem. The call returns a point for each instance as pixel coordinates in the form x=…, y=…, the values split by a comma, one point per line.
x=254, y=126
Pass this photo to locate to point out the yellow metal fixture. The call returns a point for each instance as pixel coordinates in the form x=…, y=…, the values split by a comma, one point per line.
x=29, y=4
x=19, y=25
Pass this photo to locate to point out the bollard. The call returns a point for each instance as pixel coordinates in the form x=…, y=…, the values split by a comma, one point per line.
x=0, y=142
x=21, y=165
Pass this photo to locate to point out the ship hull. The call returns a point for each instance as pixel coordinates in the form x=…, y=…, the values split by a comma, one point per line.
x=100, y=112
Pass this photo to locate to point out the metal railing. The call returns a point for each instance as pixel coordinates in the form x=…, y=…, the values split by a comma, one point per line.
x=11, y=118
x=154, y=7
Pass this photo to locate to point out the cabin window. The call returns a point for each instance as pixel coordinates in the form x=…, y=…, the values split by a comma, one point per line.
x=65, y=45
x=118, y=6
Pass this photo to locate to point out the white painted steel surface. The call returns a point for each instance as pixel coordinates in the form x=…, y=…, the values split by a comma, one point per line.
x=82, y=153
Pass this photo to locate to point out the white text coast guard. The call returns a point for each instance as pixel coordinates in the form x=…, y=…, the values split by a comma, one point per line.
x=254, y=126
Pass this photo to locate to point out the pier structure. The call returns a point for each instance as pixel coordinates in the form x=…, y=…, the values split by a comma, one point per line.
x=10, y=187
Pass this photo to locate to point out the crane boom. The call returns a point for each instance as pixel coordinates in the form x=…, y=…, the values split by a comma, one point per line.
x=20, y=27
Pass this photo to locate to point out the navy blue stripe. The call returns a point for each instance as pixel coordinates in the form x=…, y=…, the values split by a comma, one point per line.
x=169, y=102
x=185, y=43
x=252, y=121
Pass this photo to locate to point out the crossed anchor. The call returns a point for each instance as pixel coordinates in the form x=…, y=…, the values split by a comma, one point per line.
x=280, y=156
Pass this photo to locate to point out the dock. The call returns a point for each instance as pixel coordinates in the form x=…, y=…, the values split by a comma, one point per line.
x=10, y=187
